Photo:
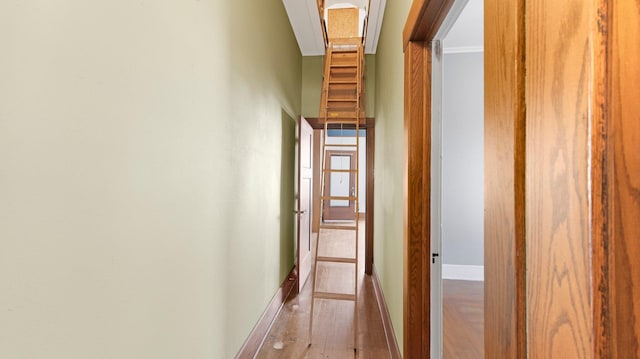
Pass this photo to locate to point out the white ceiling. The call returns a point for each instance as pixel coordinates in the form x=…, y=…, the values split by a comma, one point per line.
x=305, y=21
x=467, y=33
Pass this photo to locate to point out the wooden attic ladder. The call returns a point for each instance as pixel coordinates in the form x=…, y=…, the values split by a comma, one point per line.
x=342, y=107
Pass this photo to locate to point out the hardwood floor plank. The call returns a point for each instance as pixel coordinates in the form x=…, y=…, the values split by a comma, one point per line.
x=463, y=319
x=333, y=320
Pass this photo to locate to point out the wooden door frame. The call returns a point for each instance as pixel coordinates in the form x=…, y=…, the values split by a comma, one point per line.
x=608, y=329
x=504, y=243
x=424, y=20
x=327, y=179
x=369, y=127
x=504, y=220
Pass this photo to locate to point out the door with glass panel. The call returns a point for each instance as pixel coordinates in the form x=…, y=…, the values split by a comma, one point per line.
x=341, y=182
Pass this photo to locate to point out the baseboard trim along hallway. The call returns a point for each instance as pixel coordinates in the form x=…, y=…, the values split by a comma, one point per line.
x=260, y=331
x=392, y=343
x=462, y=272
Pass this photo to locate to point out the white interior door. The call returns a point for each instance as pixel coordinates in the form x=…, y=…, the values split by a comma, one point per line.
x=303, y=211
x=436, y=177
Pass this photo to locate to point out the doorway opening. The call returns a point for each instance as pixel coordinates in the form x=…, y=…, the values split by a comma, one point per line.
x=344, y=183
x=457, y=184
x=365, y=180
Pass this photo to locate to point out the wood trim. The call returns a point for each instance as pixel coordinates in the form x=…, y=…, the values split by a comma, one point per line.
x=505, y=219
x=505, y=326
x=615, y=187
x=563, y=275
x=558, y=230
x=392, y=343
x=417, y=165
x=261, y=329
x=505, y=135
x=317, y=124
x=601, y=194
x=424, y=20
x=623, y=179
x=368, y=247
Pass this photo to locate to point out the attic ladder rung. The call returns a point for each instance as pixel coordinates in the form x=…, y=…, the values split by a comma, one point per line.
x=340, y=145
x=343, y=114
x=336, y=259
x=347, y=50
x=330, y=170
x=339, y=198
x=342, y=121
x=337, y=226
x=336, y=296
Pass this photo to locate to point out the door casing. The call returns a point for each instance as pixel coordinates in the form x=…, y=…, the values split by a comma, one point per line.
x=529, y=88
x=369, y=127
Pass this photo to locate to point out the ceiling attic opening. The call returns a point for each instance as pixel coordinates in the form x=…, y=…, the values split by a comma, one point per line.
x=309, y=22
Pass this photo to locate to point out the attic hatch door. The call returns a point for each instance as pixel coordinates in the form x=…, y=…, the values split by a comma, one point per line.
x=342, y=23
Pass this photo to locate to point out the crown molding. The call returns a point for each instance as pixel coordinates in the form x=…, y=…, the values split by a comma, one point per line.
x=462, y=49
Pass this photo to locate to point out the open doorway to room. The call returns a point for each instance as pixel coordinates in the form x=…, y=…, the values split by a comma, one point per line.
x=365, y=181
x=288, y=335
x=344, y=183
x=457, y=184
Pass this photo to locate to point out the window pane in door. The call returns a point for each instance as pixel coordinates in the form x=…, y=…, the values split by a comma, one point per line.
x=340, y=181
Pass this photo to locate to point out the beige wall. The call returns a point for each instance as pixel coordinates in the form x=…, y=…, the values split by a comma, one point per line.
x=312, y=69
x=389, y=159
x=146, y=165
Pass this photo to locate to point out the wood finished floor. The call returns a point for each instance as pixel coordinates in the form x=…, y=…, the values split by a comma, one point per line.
x=462, y=319
x=333, y=320
x=463, y=315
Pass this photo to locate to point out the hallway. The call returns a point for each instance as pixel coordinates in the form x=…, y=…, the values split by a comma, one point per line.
x=463, y=315
x=333, y=331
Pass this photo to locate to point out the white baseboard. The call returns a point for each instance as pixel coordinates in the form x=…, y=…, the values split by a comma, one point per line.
x=462, y=272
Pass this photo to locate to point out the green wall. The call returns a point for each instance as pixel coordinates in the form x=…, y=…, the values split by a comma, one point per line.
x=389, y=160
x=311, y=85
x=312, y=69
x=146, y=175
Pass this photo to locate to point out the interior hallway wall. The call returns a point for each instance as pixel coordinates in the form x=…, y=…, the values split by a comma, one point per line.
x=463, y=159
x=389, y=149
x=135, y=140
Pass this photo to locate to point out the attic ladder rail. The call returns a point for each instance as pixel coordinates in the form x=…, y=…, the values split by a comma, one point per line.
x=340, y=105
